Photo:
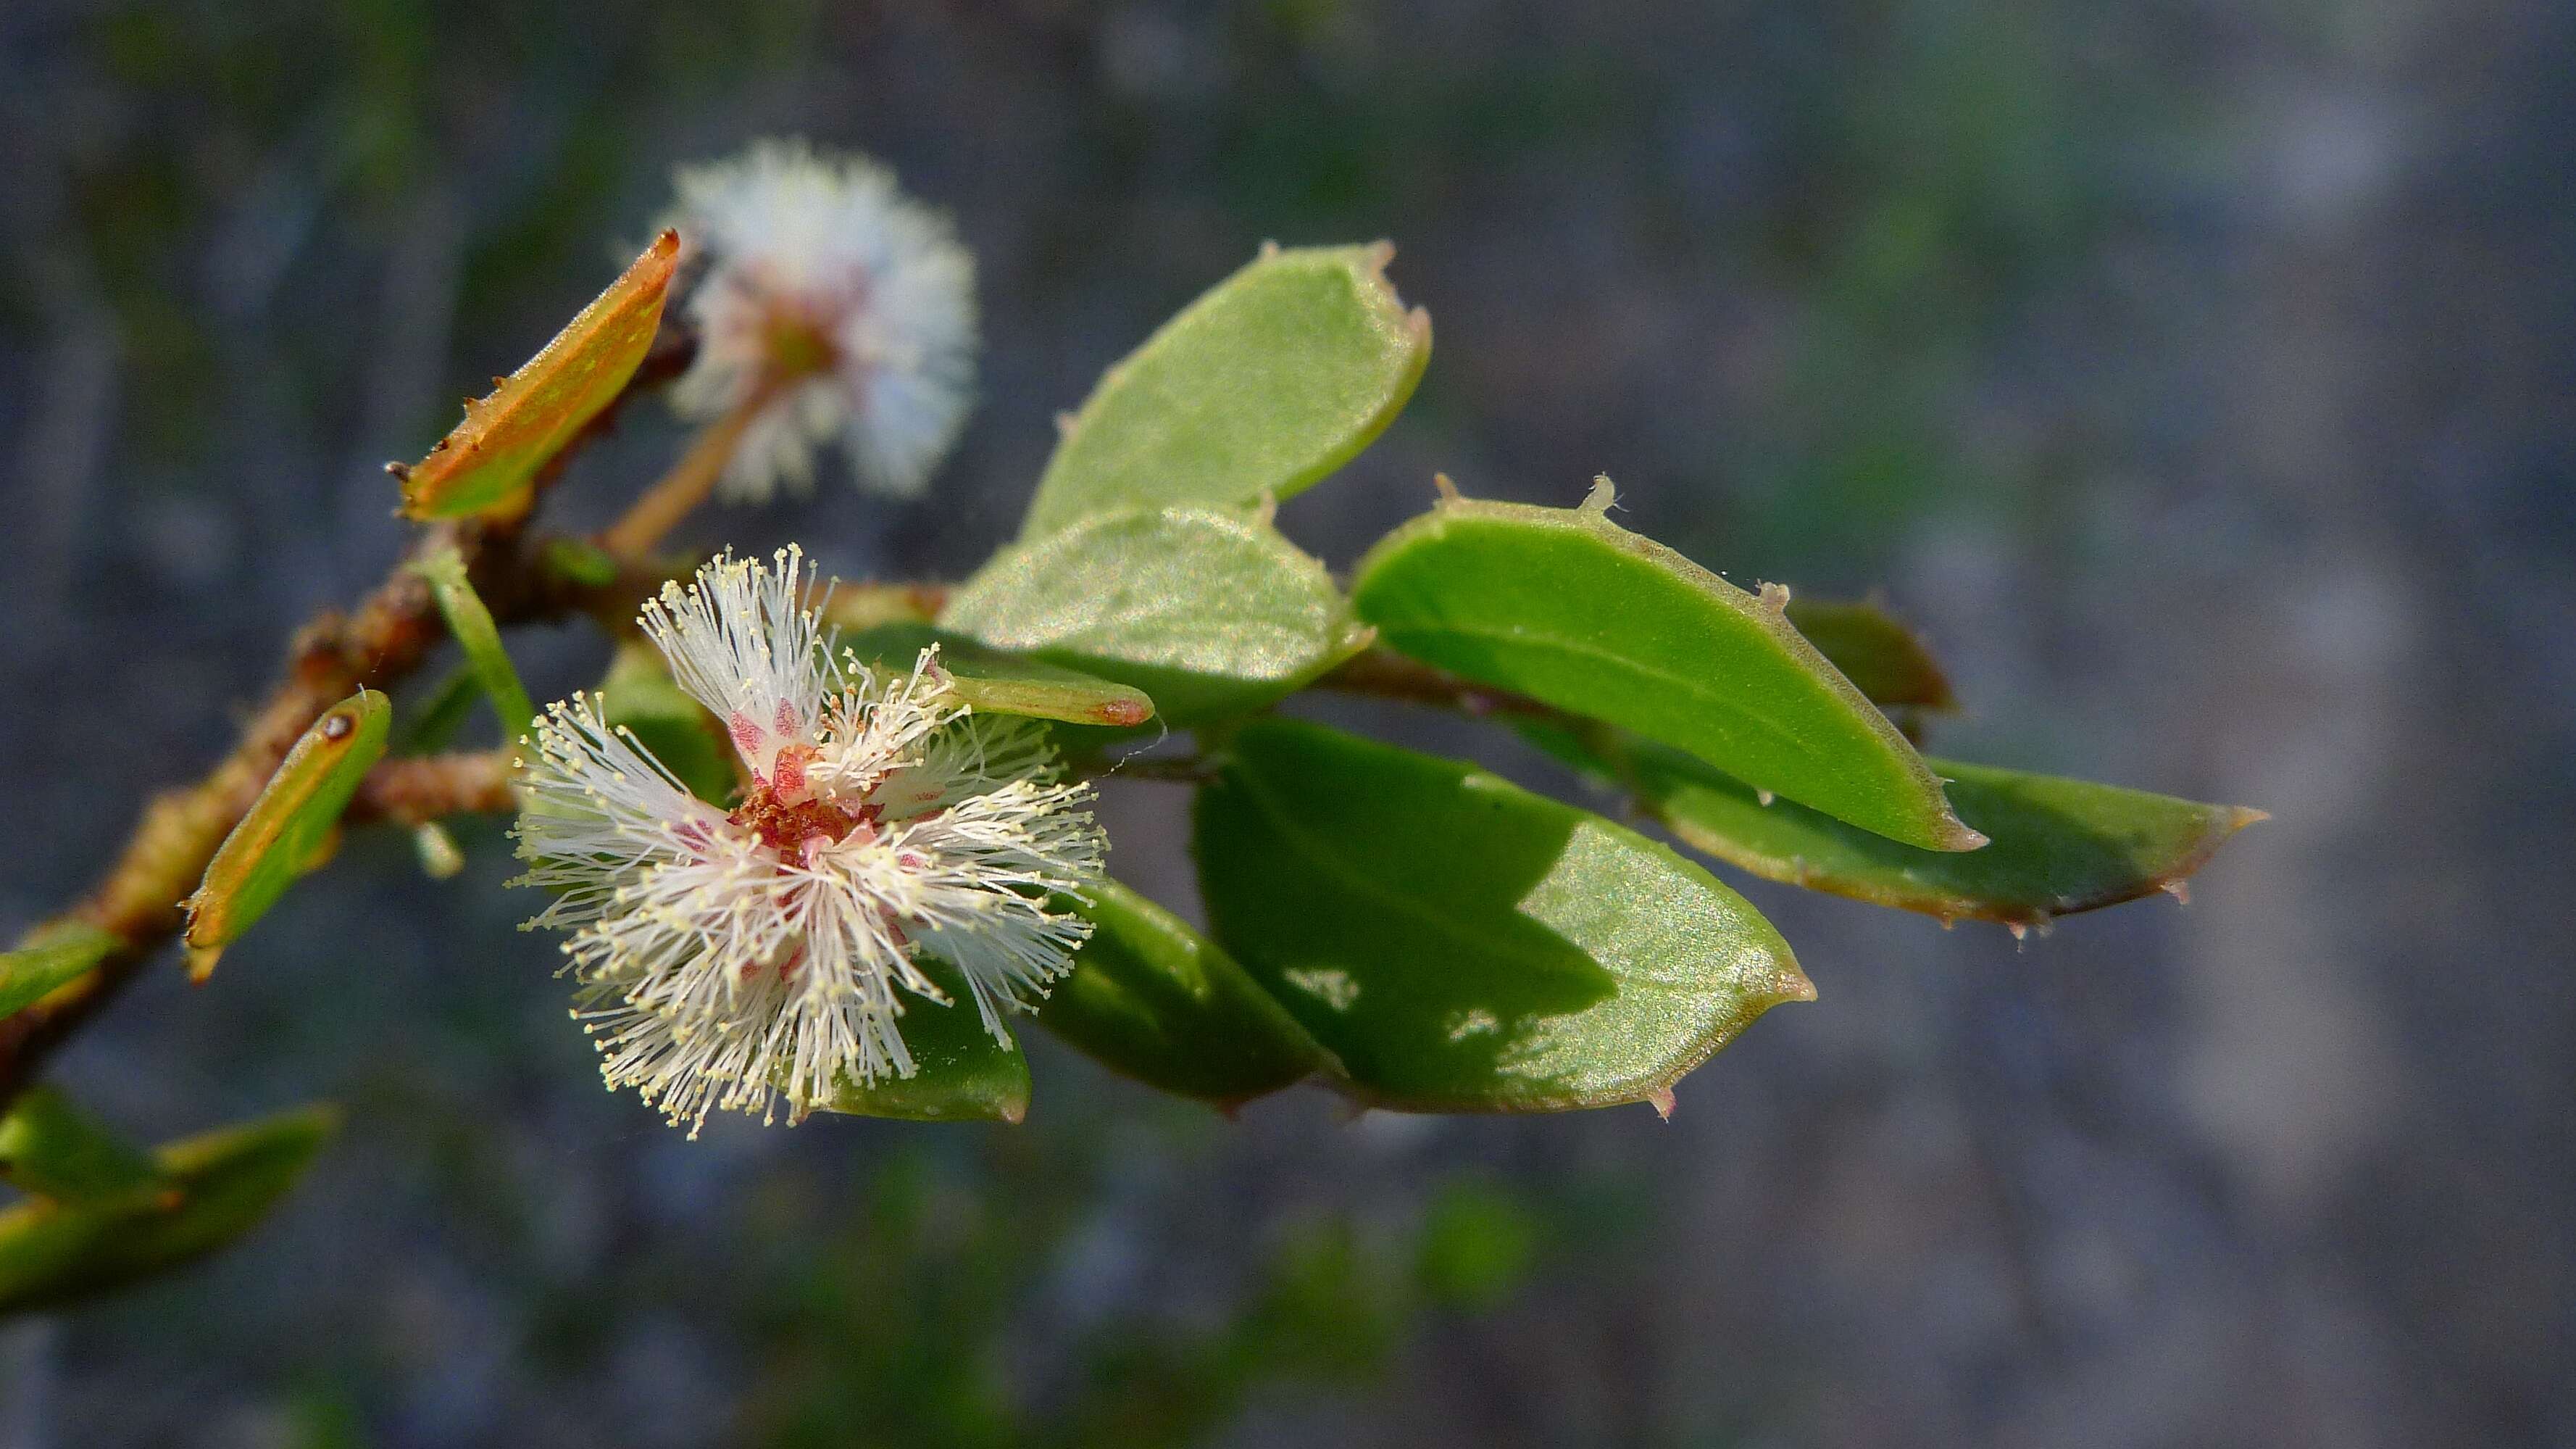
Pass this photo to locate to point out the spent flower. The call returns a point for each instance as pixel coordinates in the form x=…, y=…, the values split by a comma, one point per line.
x=733, y=958
x=834, y=306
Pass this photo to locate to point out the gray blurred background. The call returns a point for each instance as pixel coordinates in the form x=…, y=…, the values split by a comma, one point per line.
x=2197, y=374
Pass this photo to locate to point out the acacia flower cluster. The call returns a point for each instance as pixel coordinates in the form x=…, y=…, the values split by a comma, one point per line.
x=833, y=307
x=734, y=958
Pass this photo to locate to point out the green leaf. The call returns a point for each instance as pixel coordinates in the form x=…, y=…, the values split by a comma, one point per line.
x=475, y=633
x=960, y=1072
x=1157, y=1001
x=221, y=1185
x=991, y=682
x=488, y=465
x=1569, y=608
x=1883, y=658
x=1461, y=944
x=1209, y=612
x=289, y=828
x=673, y=727
x=1276, y=377
x=50, y=1148
x=2059, y=846
x=52, y=959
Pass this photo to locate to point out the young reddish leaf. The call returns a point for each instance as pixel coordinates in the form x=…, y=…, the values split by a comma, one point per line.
x=289, y=829
x=486, y=465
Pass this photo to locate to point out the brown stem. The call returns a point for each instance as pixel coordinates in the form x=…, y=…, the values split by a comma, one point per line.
x=1383, y=674
x=420, y=788
x=692, y=480
x=332, y=657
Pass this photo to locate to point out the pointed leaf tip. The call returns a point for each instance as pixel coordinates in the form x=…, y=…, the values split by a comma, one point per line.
x=487, y=465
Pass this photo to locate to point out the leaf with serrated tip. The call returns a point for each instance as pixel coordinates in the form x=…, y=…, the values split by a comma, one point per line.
x=1275, y=377
x=2059, y=845
x=486, y=466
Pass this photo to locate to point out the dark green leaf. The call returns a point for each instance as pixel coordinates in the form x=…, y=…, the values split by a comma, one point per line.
x=1209, y=612
x=1569, y=608
x=289, y=829
x=960, y=1072
x=53, y=959
x=991, y=682
x=1463, y=945
x=50, y=1148
x=1883, y=658
x=475, y=633
x=1270, y=381
x=2060, y=846
x=222, y=1184
x=1153, y=999
x=638, y=696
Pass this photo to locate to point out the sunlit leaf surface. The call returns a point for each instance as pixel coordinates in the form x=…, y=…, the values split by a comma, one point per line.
x=1270, y=381
x=1568, y=607
x=1207, y=611
x=1463, y=945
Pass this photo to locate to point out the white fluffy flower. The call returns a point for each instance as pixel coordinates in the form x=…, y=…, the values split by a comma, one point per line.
x=833, y=303
x=732, y=958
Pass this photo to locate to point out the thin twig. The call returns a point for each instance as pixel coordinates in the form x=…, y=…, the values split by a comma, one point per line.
x=417, y=789
x=332, y=657
x=691, y=481
x=1383, y=674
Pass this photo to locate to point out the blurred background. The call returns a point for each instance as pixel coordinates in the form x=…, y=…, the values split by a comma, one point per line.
x=2197, y=375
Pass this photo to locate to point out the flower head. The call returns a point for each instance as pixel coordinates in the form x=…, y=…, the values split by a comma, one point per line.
x=733, y=957
x=832, y=305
